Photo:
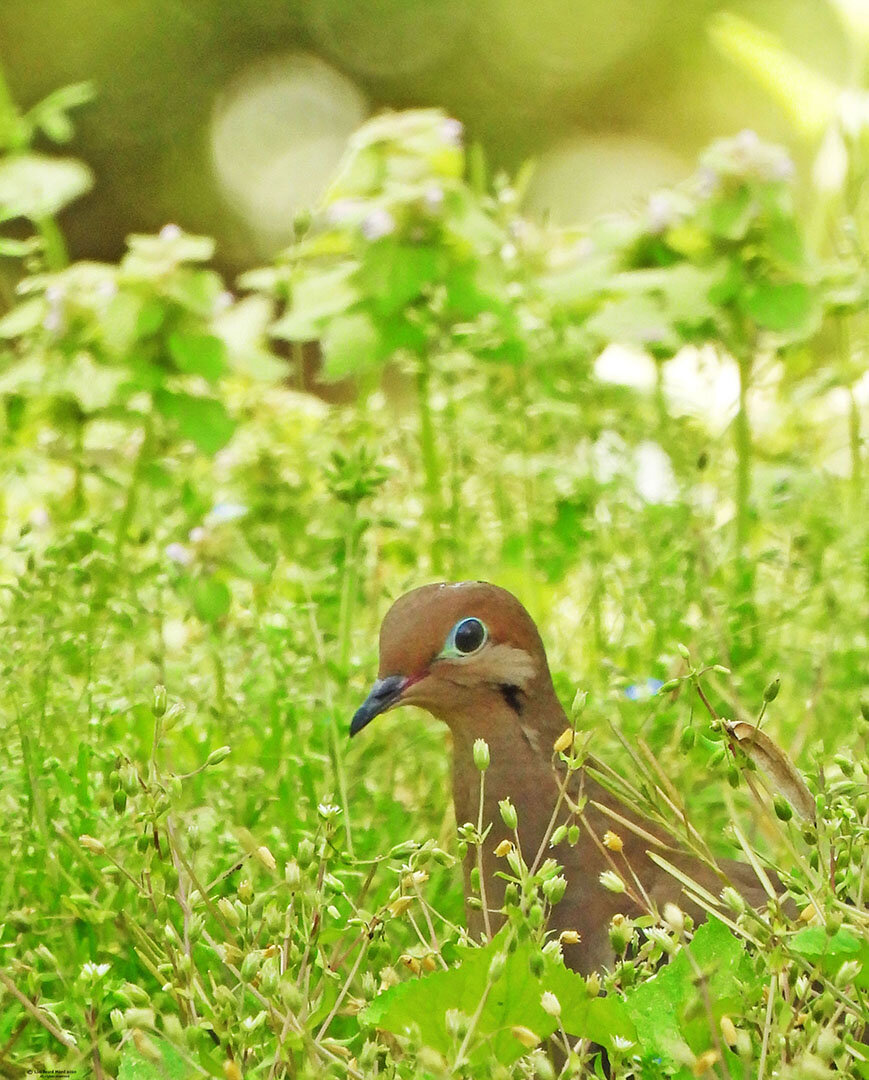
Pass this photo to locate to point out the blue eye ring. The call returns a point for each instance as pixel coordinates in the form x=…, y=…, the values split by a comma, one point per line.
x=467, y=637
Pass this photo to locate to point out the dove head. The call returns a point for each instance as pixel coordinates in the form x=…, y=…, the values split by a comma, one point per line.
x=468, y=653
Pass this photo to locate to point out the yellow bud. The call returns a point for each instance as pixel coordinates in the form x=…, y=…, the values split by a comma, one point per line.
x=570, y=937
x=704, y=1062
x=411, y=963
x=97, y=847
x=231, y=1070
x=809, y=914
x=564, y=741
x=613, y=841
x=728, y=1031
x=525, y=1036
x=399, y=906
x=592, y=984
x=428, y=962
x=504, y=848
x=268, y=861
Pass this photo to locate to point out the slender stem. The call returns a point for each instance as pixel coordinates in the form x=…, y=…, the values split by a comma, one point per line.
x=487, y=926
x=348, y=588
x=129, y=508
x=430, y=460
x=53, y=243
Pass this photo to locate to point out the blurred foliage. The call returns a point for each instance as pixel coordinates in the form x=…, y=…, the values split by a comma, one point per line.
x=202, y=878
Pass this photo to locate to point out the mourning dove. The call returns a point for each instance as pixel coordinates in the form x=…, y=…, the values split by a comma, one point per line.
x=470, y=654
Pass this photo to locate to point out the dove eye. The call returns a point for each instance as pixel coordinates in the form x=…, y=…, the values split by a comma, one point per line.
x=466, y=637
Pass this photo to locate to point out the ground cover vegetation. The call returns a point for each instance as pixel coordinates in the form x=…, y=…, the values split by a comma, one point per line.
x=201, y=876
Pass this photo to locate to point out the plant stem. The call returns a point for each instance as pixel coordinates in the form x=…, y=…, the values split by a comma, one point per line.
x=430, y=462
x=129, y=509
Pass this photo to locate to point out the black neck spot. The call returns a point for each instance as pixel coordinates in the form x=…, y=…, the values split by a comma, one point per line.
x=510, y=694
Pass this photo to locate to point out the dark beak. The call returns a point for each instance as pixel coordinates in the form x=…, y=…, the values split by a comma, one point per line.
x=385, y=693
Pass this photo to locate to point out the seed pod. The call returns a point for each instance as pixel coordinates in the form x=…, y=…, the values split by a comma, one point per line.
x=783, y=809
x=573, y=835
x=508, y=813
x=686, y=739
x=536, y=964
x=771, y=692
x=158, y=705
x=481, y=754
x=119, y=801
x=558, y=836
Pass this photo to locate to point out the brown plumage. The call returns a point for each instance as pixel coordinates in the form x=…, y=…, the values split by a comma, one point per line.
x=470, y=654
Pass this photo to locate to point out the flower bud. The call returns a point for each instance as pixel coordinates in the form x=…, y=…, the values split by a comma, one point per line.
x=728, y=1031
x=783, y=809
x=398, y=907
x=611, y=881
x=674, y=918
x=570, y=937
x=218, y=755
x=771, y=692
x=554, y=888
x=265, y=857
x=683, y=651
x=504, y=848
x=669, y=686
x=496, y=967
x=536, y=964
x=525, y=1036
x=550, y=1003
x=227, y=909
x=119, y=801
x=245, y=892
x=91, y=844
x=481, y=754
x=686, y=739
x=621, y=930
x=592, y=984
x=508, y=813
x=158, y=705
x=613, y=842
x=564, y=741
x=558, y=836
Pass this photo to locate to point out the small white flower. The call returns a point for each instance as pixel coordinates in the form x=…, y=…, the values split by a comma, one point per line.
x=434, y=197
x=222, y=512
x=452, y=132
x=178, y=553
x=660, y=211
x=170, y=232
x=621, y=1043
x=91, y=970
x=611, y=881
x=379, y=223
x=550, y=1003
x=196, y=535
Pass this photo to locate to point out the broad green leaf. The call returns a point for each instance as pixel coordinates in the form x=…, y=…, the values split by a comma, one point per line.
x=211, y=599
x=782, y=307
x=33, y=186
x=170, y=1065
x=203, y=420
x=658, y=1006
x=351, y=345
x=198, y=354
x=395, y=273
x=813, y=941
x=318, y=296
x=514, y=999
x=634, y=320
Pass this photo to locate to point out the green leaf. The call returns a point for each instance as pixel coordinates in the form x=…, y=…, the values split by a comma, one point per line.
x=394, y=274
x=198, y=354
x=211, y=599
x=318, y=296
x=351, y=345
x=658, y=1006
x=169, y=1066
x=812, y=942
x=783, y=307
x=634, y=320
x=35, y=187
x=203, y=420
x=514, y=999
